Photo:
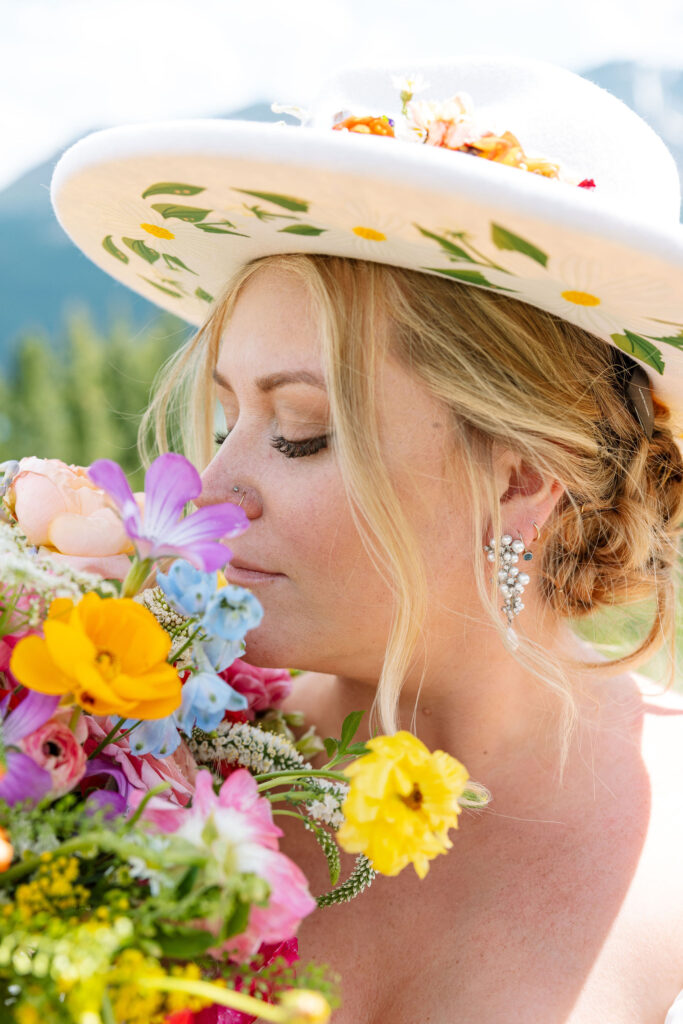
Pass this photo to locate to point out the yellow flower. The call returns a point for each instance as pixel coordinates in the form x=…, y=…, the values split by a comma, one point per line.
x=305, y=1006
x=154, y=229
x=401, y=803
x=110, y=654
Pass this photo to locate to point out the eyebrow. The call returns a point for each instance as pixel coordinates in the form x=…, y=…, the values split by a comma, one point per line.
x=277, y=380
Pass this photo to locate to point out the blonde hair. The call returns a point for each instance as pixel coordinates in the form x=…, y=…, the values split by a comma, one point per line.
x=502, y=369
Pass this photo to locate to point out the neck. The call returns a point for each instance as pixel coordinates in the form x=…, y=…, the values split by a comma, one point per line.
x=479, y=704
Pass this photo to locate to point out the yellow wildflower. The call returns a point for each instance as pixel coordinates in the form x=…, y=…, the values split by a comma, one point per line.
x=110, y=654
x=304, y=1006
x=402, y=801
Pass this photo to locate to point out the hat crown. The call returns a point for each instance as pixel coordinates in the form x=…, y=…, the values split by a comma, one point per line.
x=552, y=111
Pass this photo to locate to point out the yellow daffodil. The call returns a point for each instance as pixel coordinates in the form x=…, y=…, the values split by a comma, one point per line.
x=109, y=654
x=402, y=801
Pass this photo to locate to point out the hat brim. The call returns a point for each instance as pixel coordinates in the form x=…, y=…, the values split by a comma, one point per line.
x=173, y=209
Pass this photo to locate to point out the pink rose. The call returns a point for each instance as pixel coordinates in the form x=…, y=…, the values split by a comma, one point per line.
x=263, y=687
x=57, y=750
x=62, y=512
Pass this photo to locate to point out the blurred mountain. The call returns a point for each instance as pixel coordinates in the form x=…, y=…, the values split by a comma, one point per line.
x=43, y=274
x=654, y=93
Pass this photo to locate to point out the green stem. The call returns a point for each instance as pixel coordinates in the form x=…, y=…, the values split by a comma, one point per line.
x=222, y=996
x=75, y=715
x=302, y=773
x=466, y=244
x=137, y=574
x=107, y=739
x=291, y=814
x=145, y=800
x=107, y=1010
x=294, y=796
x=187, y=643
x=9, y=609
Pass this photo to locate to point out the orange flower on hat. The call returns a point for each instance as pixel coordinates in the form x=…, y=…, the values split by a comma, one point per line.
x=366, y=125
x=109, y=655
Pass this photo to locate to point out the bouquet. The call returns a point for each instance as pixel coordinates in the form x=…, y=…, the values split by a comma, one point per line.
x=144, y=764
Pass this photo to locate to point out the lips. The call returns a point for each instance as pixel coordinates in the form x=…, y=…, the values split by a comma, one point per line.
x=253, y=568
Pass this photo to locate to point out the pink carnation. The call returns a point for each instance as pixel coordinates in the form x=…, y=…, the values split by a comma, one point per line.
x=56, y=749
x=263, y=687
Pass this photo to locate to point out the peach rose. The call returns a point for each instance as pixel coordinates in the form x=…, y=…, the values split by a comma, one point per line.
x=62, y=512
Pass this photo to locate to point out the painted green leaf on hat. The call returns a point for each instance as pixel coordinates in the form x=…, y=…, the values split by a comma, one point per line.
x=172, y=188
x=468, y=276
x=301, y=229
x=176, y=295
x=173, y=262
x=641, y=348
x=289, y=202
x=267, y=215
x=218, y=228
x=108, y=244
x=448, y=247
x=676, y=340
x=188, y=213
x=504, y=239
x=142, y=249
x=201, y=294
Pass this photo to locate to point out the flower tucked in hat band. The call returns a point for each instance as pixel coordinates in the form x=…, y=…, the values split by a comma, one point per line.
x=450, y=124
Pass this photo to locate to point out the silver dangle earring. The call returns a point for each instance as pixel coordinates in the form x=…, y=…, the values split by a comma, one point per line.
x=511, y=581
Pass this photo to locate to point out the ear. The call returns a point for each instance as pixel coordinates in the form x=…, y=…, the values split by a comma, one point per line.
x=526, y=496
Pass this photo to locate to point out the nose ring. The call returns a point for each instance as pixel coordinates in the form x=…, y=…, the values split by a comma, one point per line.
x=236, y=488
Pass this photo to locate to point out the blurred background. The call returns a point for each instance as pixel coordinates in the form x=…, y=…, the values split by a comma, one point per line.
x=78, y=351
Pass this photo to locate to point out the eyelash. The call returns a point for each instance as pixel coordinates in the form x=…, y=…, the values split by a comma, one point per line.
x=290, y=449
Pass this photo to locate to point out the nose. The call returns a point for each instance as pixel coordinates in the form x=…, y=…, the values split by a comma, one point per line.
x=216, y=489
x=247, y=498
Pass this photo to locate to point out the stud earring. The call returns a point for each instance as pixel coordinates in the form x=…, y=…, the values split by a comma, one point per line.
x=511, y=582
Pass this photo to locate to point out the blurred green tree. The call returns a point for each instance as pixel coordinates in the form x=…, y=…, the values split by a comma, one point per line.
x=82, y=399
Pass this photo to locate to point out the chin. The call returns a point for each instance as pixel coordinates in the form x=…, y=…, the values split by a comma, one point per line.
x=265, y=651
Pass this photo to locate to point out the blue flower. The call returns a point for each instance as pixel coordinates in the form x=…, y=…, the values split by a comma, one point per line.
x=159, y=737
x=206, y=698
x=186, y=588
x=231, y=612
x=219, y=654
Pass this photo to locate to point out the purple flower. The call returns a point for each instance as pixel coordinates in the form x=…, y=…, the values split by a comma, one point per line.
x=170, y=482
x=23, y=779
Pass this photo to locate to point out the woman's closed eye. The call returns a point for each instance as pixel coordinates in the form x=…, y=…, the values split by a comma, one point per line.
x=290, y=449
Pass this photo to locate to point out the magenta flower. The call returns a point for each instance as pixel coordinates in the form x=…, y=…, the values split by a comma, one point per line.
x=264, y=688
x=170, y=482
x=23, y=779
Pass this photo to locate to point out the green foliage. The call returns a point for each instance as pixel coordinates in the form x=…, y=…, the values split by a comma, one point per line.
x=82, y=399
x=618, y=631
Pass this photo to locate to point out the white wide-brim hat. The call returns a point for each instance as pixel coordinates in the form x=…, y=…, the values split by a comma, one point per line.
x=173, y=208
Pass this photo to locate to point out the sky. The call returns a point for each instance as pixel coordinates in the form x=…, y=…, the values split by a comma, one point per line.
x=70, y=66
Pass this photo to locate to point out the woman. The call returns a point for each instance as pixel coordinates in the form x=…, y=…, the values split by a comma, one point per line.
x=431, y=425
